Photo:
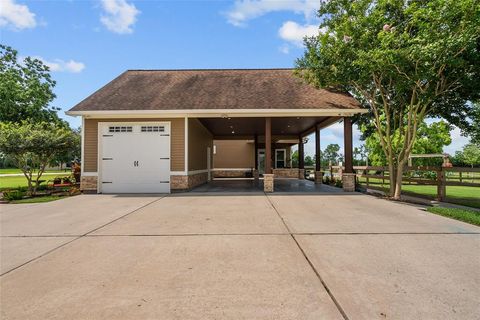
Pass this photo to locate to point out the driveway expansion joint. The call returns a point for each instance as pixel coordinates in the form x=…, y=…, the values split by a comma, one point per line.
x=324, y=284
x=78, y=237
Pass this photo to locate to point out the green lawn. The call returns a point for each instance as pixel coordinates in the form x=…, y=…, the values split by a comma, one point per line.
x=15, y=170
x=18, y=181
x=467, y=196
x=468, y=216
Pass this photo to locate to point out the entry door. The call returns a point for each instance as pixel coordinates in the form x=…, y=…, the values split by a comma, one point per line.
x=135, y=158
x=261, y=161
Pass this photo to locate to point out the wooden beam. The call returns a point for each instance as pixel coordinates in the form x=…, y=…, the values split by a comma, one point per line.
x=320, y=125
x=268, y=145
x=348, y=144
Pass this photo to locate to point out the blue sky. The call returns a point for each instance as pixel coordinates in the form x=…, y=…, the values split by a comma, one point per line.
x=88, y=43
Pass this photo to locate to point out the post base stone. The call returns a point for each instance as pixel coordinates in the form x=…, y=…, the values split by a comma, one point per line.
x=348, y=181
x=318, y=177
x=268, y=182
x=301, y=173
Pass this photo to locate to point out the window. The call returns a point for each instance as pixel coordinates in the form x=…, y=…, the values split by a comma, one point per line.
x=152, y=129
x=120, y=129
x=280, y=155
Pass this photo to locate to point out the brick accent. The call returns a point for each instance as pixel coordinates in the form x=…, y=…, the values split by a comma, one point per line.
x=197, y=179
x=301, y=173
x=348, y=180
x=318, y=177
x=179, y=182
x=286, y=172
x=230, y=173
x=88, y=183
x=268, y=182
x=188, y=182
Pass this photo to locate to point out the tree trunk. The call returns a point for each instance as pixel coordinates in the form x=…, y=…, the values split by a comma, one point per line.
x=398, y=183
x=392, y=178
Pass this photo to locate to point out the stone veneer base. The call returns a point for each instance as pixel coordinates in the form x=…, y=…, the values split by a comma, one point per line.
x=88, y=183
x=348, y=181
x=268, y=182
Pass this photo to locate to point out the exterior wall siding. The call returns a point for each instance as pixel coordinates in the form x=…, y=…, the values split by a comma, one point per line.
x=234, y=154
x=177, y=140
x=199, y=139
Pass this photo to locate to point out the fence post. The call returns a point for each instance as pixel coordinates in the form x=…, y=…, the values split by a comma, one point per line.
x=367, y=173
x=441, y=185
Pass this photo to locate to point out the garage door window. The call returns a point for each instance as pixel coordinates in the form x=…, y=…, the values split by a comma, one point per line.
x=152, y=129
x=120, y=129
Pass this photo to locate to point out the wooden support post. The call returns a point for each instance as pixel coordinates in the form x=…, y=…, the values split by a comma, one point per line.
x=348, y=144
x=268, y=145
x=301, y=158
x=317, y=149
x=441, y=185
x=256, y=152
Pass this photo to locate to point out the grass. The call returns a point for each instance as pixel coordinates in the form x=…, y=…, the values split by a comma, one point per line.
x=468, y=216
x=38, y=199
x=463, y=195
x=13, y=182
x=15, y=170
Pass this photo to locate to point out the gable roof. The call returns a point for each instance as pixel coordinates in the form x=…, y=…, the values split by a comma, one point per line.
x=212, y=89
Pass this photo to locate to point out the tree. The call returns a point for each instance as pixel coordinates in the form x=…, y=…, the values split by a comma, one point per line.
x=404, y=60
x=295, y=159
x=360, y=155
x=71, y=154
x=471, y=154
x=309, y=161
x=331, y=154
x=26, y=89
x=431, y=138
x=32, y=146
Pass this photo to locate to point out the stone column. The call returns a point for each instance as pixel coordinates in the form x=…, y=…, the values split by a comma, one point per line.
x=348, y=181
x=318, y=177
x=268, y=182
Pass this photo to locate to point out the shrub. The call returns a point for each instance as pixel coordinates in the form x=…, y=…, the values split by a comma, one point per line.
x=11, y=195
x=338, y=184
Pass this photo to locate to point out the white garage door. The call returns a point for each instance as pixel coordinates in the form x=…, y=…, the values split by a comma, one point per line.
x=135, y=157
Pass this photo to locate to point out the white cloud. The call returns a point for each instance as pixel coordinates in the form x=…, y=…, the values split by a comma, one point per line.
x=120, y=16
x=244, y=10
x=16, y=16
x=295, y=33
x=284, y=49
x=458, y=141
x=58, y=65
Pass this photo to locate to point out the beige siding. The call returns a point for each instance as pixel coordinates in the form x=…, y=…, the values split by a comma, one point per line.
x=199, y=139
x=177, y=160
x=234, y=154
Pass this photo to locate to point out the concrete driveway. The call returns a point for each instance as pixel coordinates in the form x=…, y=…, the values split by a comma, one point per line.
x=216, y=256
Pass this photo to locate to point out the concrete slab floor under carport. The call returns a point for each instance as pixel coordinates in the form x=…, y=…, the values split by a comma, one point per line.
x=169, y=277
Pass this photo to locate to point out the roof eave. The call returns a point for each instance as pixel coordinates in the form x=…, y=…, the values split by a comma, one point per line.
x=218, y=113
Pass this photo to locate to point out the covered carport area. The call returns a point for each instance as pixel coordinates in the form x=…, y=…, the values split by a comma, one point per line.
x=270, y=136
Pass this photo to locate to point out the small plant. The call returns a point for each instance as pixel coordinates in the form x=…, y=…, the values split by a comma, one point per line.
x=12, y=195
x=338, y=184
x=73, y=191
x=327, y=180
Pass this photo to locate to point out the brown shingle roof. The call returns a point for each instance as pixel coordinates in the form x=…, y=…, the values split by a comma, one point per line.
x=212, y=89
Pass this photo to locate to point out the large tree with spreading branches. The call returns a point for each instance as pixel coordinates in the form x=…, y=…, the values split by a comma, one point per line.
x=404, y=60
